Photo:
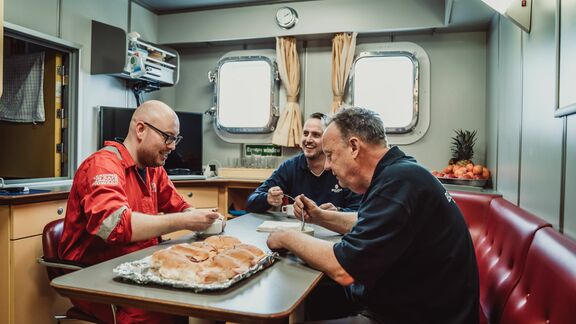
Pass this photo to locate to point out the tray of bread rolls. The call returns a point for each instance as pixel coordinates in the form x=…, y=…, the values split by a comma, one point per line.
x=216, y=263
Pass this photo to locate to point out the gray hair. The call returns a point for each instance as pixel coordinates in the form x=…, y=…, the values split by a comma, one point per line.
x=362, y=123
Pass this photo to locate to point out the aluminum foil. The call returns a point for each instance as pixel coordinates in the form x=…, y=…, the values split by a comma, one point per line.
x=139, y=271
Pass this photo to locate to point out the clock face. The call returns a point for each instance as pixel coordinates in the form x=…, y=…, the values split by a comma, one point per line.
x=286, y=17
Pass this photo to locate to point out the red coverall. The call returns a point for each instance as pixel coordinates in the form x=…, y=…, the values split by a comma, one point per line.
x=107, y=188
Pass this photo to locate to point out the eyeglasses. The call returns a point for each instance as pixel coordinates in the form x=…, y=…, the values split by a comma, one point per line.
x=168, y=139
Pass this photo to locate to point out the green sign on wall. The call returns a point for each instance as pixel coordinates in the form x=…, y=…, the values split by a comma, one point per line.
x=263, y=150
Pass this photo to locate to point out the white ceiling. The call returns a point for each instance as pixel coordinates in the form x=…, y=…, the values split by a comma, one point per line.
x=170, y=6
x=461, y=15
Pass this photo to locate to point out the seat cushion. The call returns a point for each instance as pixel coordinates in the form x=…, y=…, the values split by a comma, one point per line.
x=501, y=253
x=546, y=292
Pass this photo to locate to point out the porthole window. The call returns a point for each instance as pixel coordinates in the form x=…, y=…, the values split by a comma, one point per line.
x=245, y=95
x=394, y=82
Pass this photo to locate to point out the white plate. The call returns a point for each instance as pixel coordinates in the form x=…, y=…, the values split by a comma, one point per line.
x=271, y=226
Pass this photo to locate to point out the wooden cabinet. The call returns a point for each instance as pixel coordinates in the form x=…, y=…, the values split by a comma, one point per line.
x=29, y=297
x=200, y=196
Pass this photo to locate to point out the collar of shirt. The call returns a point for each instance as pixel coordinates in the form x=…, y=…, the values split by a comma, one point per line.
x=127, y=160
x=302, y=163
x=393, y=155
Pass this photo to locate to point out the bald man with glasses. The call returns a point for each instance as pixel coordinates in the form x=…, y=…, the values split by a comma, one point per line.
x=122, y=200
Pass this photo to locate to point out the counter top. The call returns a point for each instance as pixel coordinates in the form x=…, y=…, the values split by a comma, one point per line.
x=61, y=192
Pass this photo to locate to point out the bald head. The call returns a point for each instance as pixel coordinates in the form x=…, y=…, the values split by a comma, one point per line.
x=153, y=112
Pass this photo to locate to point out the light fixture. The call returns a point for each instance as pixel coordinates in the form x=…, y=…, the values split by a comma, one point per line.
x=518, y=11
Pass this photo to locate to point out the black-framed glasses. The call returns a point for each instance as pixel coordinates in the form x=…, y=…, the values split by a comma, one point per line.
x=168, y=139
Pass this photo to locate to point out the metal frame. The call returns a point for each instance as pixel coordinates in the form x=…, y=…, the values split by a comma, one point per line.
x=274, y=89
x=416, y=76
x=69, y=100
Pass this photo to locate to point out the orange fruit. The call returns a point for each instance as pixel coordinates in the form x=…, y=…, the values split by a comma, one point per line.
x=485, y=173
x=477, y=169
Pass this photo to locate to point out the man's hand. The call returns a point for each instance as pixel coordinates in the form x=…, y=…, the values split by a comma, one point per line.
x=199, y=220
x=328, y=206
x=274, y=241
x=275, y=196
x=305, y=208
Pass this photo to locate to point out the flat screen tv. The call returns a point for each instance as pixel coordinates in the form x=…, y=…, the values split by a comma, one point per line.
x=185, y=160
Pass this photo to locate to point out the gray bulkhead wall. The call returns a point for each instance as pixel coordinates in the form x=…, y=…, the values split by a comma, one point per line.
x=526, y=142
x=457, y=90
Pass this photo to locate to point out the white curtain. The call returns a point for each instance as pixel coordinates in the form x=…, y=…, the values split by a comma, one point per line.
x=343, y=48
x=289, y=127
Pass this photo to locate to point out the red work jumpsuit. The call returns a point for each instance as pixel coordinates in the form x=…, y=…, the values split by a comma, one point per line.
x=107, y=188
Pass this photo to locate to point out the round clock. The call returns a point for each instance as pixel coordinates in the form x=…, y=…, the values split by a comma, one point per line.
x=286, y=17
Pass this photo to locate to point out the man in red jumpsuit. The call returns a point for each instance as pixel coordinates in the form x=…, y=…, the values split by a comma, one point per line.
x=121, y=201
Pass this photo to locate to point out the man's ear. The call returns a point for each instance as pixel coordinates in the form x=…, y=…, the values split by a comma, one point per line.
x=354, y=145
x=140, y=131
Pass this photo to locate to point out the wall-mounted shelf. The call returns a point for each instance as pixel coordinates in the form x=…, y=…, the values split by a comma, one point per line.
x=116, y=54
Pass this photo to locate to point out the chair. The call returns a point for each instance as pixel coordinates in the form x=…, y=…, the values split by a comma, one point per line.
x=56, y=267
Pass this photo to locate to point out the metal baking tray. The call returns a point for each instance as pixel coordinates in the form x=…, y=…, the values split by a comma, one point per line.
x=464, y=182
x=139, y=272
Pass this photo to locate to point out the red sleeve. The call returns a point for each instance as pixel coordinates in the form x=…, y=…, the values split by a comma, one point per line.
x=104, y=201
x=169, y=200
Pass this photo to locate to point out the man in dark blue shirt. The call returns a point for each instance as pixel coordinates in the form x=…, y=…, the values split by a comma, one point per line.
x=304, y=174
x=407, y=256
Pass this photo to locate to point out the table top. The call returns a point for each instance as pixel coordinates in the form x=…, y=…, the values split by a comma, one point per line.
x=268, y=296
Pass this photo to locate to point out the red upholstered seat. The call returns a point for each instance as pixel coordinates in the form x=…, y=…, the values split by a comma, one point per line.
x=54, y=265
x=501, y=253
x=546, y=292
x=475, y=208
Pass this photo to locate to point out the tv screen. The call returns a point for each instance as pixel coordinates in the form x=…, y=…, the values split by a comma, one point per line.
x=185, y=160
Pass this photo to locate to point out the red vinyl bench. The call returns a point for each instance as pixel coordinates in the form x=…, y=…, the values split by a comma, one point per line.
x=502, y=234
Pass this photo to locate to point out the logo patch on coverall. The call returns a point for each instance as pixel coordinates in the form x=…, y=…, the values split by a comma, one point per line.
x=105, y=179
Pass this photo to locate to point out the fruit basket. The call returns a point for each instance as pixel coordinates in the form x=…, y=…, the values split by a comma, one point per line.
x=461, y=170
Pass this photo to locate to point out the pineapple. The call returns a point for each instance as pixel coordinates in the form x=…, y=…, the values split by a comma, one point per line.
x=462, y=147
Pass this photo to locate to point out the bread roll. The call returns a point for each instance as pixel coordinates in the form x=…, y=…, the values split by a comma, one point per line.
x=244, y=256
x=221, y=242
x=172, y=265
x=193, y=253
x=216, y=259
x=255, y=250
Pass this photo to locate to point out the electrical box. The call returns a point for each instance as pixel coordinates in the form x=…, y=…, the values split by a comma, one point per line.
x=129, y=57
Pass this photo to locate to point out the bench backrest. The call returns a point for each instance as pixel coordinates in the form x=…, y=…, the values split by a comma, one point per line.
x=546, y=292
x=501, y=253
x=475, y=208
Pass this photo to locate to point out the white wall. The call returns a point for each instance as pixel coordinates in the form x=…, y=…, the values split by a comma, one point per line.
x=38, y=15
x=509, y=80
x=531, y=142
x=458, y=87
x=541, y=141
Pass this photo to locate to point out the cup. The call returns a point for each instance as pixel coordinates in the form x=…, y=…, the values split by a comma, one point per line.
x=214, y=228
x=288, y=209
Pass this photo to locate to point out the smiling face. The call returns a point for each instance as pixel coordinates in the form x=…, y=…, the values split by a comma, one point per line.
x=153, y=149
x=152, y=123
x=311, y=141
